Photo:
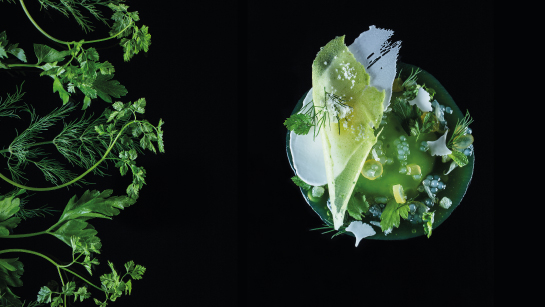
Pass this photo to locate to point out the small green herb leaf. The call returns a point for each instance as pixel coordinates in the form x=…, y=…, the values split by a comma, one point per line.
x=299, y=123
x=57, y=87
x=459, y=158
x=390, y=215
x=357, y=206
x=427, y=218
x=300, y=183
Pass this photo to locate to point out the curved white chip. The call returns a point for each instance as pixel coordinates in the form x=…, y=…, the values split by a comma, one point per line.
x=439, y=146
x=422, y=100
x=360, y=230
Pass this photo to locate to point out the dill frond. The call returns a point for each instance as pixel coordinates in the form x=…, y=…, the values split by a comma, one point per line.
x=460, y=129
x=21, y=150
x=72, y=7
x=8, y=107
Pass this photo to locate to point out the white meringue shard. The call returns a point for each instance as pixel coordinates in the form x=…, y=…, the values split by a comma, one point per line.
x=422, y=100
x=439, y=146
x=360, y=230
x=379, y=57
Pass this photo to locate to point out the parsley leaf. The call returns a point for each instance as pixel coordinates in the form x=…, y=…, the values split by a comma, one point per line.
x=357, y=206
x=12, y=49
x=8, y=207
x=299, y=123
x=47, y=54
x=106, y=88
x=92, y=204
x=392, y=212
x=10, y=276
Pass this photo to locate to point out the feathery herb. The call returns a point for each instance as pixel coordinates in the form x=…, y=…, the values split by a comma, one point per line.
x=92, y=143
x=460, y=129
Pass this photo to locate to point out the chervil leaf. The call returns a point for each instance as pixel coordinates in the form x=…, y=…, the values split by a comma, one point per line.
x=136, y=271
x=106, y=68
x=300, y=183
x=82, y=293
x=143, y=39
x=44, y=296
x=107, y=88
x=299, y=123
x=69, y=288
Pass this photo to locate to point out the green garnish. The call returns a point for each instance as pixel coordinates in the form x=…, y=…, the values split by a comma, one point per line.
x=427, y=218
x=300, y=183
x=428, y=124
x=357, y=206
x=460, y=129
x=299, y=123
x=392, y=212
x=341, y=230
x=117, y=135
x=459, y=158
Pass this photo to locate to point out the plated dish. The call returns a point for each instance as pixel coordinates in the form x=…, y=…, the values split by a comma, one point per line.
x=380, y=151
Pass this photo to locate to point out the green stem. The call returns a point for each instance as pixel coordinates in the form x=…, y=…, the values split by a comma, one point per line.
x=28, y=146
x=18, y=250
x=38, y=27
x=25, y=235
x=22, y=65
x=63, y=42
x=77, y=178
x=107, y=38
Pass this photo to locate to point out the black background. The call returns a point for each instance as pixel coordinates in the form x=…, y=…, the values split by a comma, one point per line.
x=220, y=223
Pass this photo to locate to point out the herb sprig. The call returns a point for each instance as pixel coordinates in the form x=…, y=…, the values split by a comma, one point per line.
x=116, y=136
x=316, y=116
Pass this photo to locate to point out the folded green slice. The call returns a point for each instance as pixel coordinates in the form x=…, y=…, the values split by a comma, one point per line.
x=339, y=81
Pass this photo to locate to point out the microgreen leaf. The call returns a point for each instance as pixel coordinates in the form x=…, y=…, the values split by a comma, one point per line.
x=300, y=183
x=299, y=123
x=459, y=158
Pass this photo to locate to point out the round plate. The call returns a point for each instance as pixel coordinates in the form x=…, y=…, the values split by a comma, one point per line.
x=457, y=181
